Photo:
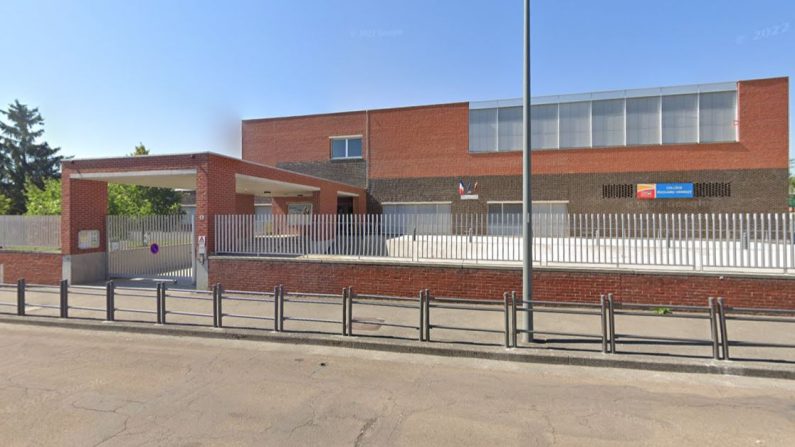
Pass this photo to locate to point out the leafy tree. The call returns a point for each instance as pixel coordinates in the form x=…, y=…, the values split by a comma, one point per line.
x=43, y=201
x=22, y=157
x=5, y=204
x=792, y=176
x=136, y=200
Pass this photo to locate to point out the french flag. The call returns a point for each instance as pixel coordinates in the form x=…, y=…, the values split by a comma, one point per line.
x=461, y=189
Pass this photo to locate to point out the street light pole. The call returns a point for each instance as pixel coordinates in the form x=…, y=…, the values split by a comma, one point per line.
x=527, y=194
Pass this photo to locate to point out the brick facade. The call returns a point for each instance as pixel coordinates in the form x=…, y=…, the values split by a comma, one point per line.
x=584, y=191
x=352, y=172
x=415, y=153
x=259, y=274
x=35, y=268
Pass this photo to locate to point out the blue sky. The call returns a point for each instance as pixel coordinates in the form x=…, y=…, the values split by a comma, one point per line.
x=180, y=75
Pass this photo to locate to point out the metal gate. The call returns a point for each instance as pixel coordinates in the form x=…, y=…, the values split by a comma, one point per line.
x=151, y=247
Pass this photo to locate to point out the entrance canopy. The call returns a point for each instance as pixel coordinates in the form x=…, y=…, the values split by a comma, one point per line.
x=223, y=185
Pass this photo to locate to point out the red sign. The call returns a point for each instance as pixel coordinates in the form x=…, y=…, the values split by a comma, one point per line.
x=646, y=191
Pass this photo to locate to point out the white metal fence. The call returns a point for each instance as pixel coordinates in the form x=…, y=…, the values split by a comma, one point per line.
x=694, y=241
x=30, y=232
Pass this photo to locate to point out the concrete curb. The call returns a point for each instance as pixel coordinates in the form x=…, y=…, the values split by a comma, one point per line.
x=523, y=355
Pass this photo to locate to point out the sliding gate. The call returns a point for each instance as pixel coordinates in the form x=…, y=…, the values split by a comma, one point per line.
x=158, y=247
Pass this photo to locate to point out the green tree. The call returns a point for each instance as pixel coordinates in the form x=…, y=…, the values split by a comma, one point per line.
x=43, y=201
x=5, y=204
x=22, y=157
x=136, y=200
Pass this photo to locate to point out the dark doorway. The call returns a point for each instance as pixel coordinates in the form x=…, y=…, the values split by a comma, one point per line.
x=344, y=205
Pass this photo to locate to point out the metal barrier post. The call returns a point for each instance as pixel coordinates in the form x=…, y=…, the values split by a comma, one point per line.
x=351, y=302
x=110, y=301
x=65, y=298
x=427, y=315
x=344, y=311
x=422, y=315
x=216, y=299
x=276, y=292
x=603, y=316
x=281, y=307
x=713, y=328
x=163, y=301
x=159, y=305
x=611, y=317
x=21, y=297
x=507, y=320
x=723, y=333
x=513, y=318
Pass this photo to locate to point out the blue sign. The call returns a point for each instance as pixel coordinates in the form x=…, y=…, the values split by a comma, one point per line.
x=674, y=191
x=154, y=249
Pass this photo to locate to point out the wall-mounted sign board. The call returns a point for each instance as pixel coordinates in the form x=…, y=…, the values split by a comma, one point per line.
x=650, y=191
x=87, y=239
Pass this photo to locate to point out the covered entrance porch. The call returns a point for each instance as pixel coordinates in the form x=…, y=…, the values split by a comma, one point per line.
x=97, y=246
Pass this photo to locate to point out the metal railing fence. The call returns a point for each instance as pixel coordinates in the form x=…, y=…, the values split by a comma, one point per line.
x=30, y=232
x=425, y=308
x=690, y=241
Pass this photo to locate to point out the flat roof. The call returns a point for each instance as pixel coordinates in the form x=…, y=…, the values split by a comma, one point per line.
x=610, y=94
x=548, y=99
x=149, y=170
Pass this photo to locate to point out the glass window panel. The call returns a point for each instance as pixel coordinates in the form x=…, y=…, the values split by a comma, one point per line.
x=338, y=148
x=510, y=128
x=512, y=208
x=718, y=113
x=680, y=119
x=643, y=121
x=482, y=130
x=354, y=147
x=575, y=124
x=544, y=126
x=608, y=122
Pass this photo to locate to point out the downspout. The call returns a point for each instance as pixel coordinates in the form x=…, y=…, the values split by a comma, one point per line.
x=367, y=150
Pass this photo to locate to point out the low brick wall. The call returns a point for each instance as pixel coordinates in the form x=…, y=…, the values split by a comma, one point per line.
x=572, y=285
x=36, y=268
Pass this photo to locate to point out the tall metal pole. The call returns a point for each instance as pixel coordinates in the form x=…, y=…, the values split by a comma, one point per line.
x=527, y=194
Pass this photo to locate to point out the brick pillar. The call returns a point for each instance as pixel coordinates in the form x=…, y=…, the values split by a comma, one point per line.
x=84, y=206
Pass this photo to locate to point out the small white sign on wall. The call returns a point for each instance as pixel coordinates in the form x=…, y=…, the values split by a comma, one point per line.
x=87, y=239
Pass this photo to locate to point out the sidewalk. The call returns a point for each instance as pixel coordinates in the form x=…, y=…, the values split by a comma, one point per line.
x=372, y=332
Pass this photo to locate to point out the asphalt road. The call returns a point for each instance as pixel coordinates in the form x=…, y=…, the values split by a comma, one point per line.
x=74, y=387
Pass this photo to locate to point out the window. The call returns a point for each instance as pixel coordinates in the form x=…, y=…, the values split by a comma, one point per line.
x=717, y=117
x=680, y=119
x=659, y=116
x=482, y=130
x=509, y=125
x=608, y=122
x=424, y=218
x=505, y=219
x=495, y=129
x=625, y=191
x=346, y=147
x=544, y=126
x=643, y=121
x=575, y=124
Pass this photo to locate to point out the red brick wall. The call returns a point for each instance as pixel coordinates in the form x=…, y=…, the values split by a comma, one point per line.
x=244, y=204
x=84, y=206
x=271, y=141
x=421, y=141
x=36, y=268
x=490, y=283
